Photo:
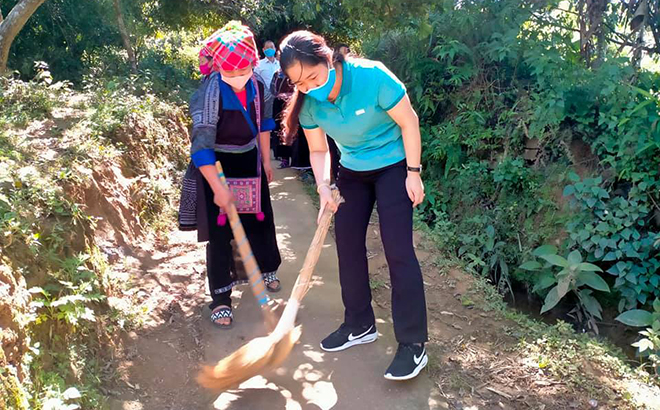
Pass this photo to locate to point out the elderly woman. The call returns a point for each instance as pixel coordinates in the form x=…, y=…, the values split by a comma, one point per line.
x=228, y=126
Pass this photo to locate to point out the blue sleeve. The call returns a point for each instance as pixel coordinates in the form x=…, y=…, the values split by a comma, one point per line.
x=203, y=157
x=390, y=89
x=268, y=124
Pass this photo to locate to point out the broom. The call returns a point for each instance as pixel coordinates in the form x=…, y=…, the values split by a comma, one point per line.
x=264, y=353
x=249, y=262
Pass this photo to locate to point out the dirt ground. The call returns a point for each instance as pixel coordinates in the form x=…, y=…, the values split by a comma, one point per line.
x=474, y=364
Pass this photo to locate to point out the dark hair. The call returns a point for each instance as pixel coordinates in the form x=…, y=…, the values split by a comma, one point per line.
x=302, y=47
x=340, y=45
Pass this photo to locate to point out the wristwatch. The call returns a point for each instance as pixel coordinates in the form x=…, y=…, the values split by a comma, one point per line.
x=415, y=169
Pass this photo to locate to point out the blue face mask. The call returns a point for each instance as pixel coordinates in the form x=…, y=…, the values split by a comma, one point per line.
x=322, y=92
x=269, y=52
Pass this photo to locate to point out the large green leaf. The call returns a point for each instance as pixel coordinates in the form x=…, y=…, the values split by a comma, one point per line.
x=545, y=280
x=556, y=260
x=551, y=300
x=545, y=250
x=636, y=317
x=531, y=265
x=589, y=267
x=563, y=286
x=590, y=303
x=656, y=305
x=574, y=257
x=594, y=281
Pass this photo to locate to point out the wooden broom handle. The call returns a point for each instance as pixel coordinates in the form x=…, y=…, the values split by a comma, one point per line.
x=304, y=277
x=251, y=268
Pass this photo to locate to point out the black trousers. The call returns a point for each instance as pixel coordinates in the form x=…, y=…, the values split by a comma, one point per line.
x=386, y=187
x=334, y=159
x=261, y=234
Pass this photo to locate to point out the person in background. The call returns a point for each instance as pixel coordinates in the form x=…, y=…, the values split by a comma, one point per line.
x=264, y=72
x=281, y=90
x=268, y=65
x=295, y=155
x=343, y=49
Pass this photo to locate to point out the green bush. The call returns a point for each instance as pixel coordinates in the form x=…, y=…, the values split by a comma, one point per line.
x=493, y=82
x=22, y=102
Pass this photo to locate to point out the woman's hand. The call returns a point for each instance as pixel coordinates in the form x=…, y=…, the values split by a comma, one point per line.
x=415, y=188
x=268, y=169
x=223, y=197
x=326, y=199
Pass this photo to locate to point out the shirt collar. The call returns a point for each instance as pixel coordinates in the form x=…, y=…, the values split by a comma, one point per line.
x=346, y=79
x=230, y=101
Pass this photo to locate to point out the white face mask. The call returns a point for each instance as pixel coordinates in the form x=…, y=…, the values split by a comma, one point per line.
x=238, y=82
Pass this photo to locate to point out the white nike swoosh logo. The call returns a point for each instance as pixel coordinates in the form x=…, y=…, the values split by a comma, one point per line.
x=351, y=337
x=419, y=359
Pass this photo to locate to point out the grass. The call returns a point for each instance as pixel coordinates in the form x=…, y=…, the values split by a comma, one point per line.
x=572, y=358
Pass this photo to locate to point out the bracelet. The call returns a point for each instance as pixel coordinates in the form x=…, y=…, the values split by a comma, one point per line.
x=318, y=188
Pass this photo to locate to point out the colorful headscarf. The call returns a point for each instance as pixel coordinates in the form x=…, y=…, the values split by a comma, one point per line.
x=232, y=47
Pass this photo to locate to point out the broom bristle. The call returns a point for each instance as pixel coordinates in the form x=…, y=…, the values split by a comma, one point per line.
x=253, y=359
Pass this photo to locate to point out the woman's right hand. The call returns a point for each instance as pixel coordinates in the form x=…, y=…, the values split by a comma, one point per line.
x=326, y=200
x=223, y=197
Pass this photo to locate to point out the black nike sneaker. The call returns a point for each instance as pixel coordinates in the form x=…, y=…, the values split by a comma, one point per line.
x=346, y=336
x=409, y=360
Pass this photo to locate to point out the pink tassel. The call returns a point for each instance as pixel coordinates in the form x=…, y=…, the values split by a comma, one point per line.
x=222, y=219
x=260, y=216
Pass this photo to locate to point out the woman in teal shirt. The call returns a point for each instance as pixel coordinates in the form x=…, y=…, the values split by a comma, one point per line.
x=368, y=113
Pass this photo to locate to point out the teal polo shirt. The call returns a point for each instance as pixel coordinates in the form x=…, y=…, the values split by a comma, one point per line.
x=367, y=137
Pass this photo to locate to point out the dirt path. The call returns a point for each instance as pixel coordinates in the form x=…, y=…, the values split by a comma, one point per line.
x=474, y=360
x=161, y=359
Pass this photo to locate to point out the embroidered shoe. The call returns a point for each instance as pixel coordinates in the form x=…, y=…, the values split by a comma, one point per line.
x=345, y=337
x=408, y=361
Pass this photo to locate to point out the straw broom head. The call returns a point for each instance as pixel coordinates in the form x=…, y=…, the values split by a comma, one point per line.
x=265, y=353
x=254, y=358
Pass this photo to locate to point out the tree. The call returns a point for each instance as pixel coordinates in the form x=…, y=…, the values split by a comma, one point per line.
x=10, y=26
x=126, y=38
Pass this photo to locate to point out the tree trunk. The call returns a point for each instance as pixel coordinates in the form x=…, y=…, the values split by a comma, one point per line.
x=584, y=40
x=10, y=26
x=125, y=37
x=597, y=11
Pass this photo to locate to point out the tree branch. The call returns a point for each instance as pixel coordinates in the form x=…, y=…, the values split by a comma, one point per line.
x=11, y=25
x=624, y=43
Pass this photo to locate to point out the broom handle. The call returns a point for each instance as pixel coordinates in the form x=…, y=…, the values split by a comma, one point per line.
x=304, y=277
x=249, y=261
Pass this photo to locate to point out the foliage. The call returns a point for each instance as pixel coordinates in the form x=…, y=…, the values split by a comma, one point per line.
x=22, y=102
x=649, y=345
x=574, y=276
x=491, y=80
x=615, y=231
x=559, y=351
x=514, y=98
x=47, y=236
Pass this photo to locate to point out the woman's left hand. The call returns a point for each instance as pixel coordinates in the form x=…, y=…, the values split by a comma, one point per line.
x=415, y=188
x=269, y=172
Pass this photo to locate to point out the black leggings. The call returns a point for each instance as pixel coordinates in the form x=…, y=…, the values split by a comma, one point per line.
x=386, y=187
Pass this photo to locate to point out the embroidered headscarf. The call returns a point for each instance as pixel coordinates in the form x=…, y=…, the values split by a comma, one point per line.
x=232, y=47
